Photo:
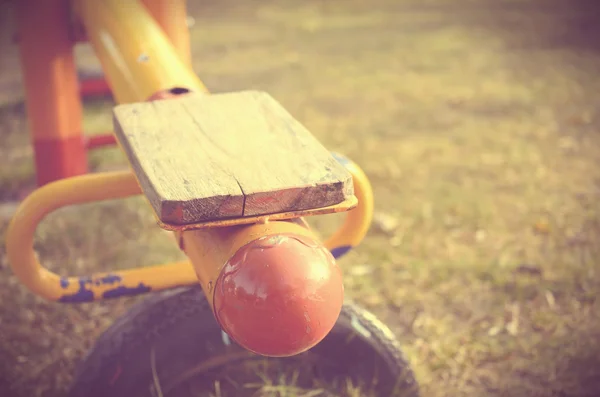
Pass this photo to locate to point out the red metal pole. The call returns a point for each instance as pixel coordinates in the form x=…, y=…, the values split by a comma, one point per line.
x=94, y=87
x=51, y=89
x=97, y=141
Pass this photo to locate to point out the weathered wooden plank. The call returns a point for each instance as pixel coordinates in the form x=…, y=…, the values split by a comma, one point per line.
x=210, y=157
x=181, y=185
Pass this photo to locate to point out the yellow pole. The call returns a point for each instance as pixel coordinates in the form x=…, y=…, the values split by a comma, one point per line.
x=72, y=191
x=137, y=57
x=171, y=15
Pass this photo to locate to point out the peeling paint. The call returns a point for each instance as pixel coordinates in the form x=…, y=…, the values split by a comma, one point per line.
x=87, y=284
x=343, y=160
x=338, y=252
x=126, y=291
x=109, y=279
x=83, y=295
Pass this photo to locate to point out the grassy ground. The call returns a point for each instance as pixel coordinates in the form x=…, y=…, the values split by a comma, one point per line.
x=478, y=124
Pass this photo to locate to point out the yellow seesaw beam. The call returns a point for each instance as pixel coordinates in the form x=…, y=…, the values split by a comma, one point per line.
x=139, y=60
x=137, y=57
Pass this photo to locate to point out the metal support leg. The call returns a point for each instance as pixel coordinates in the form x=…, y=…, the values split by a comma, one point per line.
x=51, y=88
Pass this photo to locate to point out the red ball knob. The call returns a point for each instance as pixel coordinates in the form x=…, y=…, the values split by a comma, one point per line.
x=279, y=295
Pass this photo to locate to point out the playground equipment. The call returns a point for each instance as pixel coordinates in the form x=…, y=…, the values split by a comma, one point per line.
x=232, y=175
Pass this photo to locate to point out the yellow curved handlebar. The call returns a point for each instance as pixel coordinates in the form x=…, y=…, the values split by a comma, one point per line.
x=80, y=190
x=358, y=220
x=114, y=185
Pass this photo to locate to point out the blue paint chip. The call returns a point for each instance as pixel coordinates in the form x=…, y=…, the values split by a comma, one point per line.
x=343, y=160
x=85, y=280
x=110, y=279
x=83, y=295
x=337, y=252
x=126, y=291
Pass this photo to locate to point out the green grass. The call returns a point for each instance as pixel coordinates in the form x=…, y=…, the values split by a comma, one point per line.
x=477, y=123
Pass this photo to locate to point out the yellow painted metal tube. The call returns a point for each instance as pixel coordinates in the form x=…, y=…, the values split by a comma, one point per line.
x=137, y=57
x=208, y=249
x=357, y=222
x=79, y=190
x=171, y=15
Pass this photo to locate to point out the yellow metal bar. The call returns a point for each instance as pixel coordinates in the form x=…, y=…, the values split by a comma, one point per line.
x=358, y=220
x=137, y=57
x=79, y=190
x=171, y=15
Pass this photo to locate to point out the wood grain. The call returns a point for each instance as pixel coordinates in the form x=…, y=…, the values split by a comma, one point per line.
x=208, y=157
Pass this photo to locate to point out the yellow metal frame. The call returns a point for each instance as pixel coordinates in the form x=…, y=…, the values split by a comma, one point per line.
x=143, y=63
x=171, y=15
x=72, y=191
x=115, y=185
x=137, y=56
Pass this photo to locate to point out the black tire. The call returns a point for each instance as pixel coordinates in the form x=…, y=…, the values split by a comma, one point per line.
x=174, y=332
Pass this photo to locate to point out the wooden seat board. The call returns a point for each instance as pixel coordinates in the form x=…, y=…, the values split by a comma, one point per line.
x=203, y=158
